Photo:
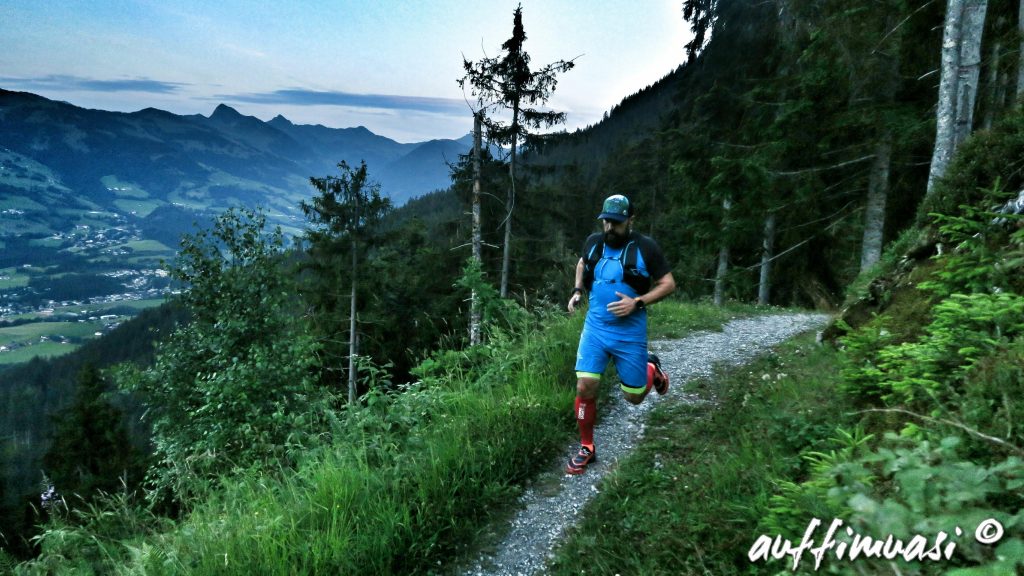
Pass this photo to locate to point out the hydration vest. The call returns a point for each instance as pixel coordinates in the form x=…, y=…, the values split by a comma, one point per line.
x=629, y=258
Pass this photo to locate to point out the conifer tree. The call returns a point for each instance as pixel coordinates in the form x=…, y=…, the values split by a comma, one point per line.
x=91, y=450
x=346, y=213
x=508, y=83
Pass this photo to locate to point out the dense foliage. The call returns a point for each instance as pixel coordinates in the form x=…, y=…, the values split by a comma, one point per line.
x=837, y=106
x=934, y=446
x=234, y=388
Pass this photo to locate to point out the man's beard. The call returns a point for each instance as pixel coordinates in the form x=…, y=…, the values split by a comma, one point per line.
x=614, y=240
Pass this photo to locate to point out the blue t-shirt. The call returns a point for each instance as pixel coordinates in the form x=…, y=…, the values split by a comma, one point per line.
x=609, y=273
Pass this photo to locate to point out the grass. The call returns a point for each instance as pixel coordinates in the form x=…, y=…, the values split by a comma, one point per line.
x=20, y=203
x=33, y=331
x=123, y=189
x=11, y=278
x=27, y=336
x=676, y=319
x=409, y=483
x=95, y=309
x=140, y=207
x=42, y=350
x=690, y=498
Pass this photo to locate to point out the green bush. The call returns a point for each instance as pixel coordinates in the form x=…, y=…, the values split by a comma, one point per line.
x=945, y=452
x=232, y=389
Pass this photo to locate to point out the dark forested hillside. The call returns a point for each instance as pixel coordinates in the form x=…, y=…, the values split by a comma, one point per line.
x=33, y=393
x=780, y=116
x=799, y=143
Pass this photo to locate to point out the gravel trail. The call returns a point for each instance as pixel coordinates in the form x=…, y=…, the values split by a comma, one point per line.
x=556, y=499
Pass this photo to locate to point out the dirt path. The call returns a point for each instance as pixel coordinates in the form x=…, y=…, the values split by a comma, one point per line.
x=556, y=499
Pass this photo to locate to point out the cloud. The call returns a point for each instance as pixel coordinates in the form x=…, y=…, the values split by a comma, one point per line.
x=300, y=97
x=62, y=82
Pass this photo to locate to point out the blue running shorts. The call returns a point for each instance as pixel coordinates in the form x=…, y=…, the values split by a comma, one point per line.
x=596, y=349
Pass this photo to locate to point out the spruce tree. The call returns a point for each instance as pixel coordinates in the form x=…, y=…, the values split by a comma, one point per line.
x=91, y=450
x=507, y=83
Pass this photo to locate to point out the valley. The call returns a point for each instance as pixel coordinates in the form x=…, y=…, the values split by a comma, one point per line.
x=59, y=290
x=92, y=203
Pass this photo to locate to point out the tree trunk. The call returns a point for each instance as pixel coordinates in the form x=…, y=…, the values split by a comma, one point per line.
x=764, y=286
x=1020, y=52
x=992, y=87
x=945, y=115
x=352, y=331
x=474, y=314
x=874, y=211
x=878, y=180
x=510, y=203
x=723, y=257
x=971, y=30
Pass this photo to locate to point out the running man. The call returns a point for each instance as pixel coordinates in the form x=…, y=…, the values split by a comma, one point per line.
x=624, y=272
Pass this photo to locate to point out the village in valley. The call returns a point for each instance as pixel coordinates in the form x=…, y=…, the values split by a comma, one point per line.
x=107, y=273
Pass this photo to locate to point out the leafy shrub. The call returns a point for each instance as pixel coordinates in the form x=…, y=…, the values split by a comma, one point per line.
x=232, y=389
x=946, y=452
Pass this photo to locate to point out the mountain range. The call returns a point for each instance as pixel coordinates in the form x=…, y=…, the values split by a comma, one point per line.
x=57, y=159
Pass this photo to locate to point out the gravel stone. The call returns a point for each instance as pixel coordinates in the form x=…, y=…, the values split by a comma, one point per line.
x=548, y=507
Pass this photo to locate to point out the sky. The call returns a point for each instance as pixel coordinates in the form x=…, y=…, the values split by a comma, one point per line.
x=390, y=66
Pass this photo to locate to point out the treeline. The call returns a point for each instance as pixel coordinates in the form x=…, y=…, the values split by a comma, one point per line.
x=409, y=305
x=800, y=137
x=34, y=393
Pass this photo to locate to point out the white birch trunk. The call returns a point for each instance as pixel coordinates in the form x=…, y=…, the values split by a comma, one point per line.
x=474, y=312
x=723, y=257
x=971, y=29
x=874, y=211
x=767, y=253
x=945, y=115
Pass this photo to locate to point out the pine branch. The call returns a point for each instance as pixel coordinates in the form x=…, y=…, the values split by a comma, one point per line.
x=965, y=428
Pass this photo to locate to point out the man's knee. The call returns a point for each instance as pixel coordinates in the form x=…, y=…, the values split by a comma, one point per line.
x=633, y=398
x=587, y=387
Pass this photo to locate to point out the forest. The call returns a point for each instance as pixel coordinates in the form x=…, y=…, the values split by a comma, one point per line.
x=306, y=408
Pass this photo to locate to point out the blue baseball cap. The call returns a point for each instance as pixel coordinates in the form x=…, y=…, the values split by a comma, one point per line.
x=616, y=208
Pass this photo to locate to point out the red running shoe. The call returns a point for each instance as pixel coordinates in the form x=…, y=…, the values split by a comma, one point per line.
x=659, y=376
x=578, y=463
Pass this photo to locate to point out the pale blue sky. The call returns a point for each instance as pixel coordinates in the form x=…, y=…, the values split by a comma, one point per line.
x=388, y=65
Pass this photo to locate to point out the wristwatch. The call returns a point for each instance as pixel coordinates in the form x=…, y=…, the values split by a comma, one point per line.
x=640, y=304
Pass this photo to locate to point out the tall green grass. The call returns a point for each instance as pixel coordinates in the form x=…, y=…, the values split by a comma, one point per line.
x=690, y=499
x=408, y=482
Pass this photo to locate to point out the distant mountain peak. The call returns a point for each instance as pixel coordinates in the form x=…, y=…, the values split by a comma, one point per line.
x=224, y=112
x=280, y=120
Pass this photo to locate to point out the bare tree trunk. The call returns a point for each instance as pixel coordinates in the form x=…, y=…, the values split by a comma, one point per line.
x=767, y=250
x=945, y=115
x=874, y=211
x=1020, y=53
x=723, y=258
x=510, y=203
x=352, y=321
x=474, y=313
x=993, y=87
x=878, y=180
x=971, y=30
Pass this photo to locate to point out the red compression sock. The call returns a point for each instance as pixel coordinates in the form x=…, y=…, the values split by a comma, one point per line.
x=586, y=414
